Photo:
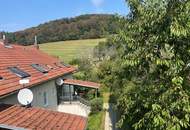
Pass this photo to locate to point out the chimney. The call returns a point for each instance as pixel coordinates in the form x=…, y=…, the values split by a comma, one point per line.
x=4, y=37
x=4, y=41
x=36, y=43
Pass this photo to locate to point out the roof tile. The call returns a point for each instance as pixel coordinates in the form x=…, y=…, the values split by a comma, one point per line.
x=82, y=83
x=39, y=118
x=23, y=57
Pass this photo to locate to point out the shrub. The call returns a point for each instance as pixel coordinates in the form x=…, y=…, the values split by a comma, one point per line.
x=96, y=105
x=90, y=94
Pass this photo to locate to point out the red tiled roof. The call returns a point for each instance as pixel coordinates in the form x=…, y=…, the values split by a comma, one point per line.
x=82, y=83
x=23, y=57
x=39, y=118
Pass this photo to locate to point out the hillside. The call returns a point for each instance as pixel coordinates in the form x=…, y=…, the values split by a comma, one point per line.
x=68, y=50
x=81, y=27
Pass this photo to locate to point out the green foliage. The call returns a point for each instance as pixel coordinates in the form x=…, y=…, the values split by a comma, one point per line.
x=81, y=27
x=90, y=94
x=88, y=70
x=96, y=121
x=149, y=72
x=80, y=75
x=96, y=105
x=68, y=50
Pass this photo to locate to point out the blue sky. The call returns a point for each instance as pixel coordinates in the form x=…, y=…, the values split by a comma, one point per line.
x=20, y=14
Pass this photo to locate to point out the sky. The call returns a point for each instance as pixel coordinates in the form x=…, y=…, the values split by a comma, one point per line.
x=18, y=15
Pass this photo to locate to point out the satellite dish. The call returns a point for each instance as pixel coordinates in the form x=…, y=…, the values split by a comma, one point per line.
x=25, y=96
x=59, y=81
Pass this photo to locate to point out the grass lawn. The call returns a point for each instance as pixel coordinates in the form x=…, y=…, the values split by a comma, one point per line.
x=67, y=50
x=96, y=121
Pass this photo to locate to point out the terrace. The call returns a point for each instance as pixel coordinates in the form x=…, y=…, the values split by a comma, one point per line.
x=73, y=96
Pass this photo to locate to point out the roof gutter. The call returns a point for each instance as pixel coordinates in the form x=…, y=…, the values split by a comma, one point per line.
x=92, y=87
x=8, y=94
x=8, y=127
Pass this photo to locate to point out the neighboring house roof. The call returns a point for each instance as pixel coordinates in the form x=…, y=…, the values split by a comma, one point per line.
x=22, y=58
x=82, y=83
x=38, y=118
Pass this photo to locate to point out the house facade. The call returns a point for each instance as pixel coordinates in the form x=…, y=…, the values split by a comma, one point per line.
x=20, y=62
x=45, y=96
x=43, y=86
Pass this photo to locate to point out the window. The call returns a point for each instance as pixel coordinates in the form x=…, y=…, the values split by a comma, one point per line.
x=1, y=78
x=45, y=96
x=39, y=68
x=19, y=72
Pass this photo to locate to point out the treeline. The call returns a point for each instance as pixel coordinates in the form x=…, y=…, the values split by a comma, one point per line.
x=81, y=27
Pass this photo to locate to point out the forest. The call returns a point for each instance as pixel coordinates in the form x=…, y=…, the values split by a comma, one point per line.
x=146, y=66
x=82, y=27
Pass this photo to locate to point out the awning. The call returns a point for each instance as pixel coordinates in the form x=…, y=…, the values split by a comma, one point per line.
x=82, y=83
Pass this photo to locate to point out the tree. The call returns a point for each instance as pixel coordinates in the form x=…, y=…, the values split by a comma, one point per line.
x=81, y=27
x=151, y=70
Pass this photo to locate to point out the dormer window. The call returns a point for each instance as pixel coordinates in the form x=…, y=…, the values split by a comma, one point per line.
x=40, y=68
x=19, y=72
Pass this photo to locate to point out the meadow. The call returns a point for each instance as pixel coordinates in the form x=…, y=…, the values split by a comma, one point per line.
x=67, y=50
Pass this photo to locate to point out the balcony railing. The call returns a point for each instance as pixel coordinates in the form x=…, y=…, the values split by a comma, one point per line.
x=75, y=98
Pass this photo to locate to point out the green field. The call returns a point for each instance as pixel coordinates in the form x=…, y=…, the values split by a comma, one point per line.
x=67, y=50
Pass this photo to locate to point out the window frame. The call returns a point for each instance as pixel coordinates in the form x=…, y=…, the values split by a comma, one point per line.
x=19, y=72
x=45, y=99
x=40, y=68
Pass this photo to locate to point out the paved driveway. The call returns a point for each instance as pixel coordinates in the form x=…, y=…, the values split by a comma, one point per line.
x=110, y=118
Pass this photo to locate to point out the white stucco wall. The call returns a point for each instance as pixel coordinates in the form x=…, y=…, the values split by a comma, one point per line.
x=38, y=91
x=50, y=89
x=38, y=100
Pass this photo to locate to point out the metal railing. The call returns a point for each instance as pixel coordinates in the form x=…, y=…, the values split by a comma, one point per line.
x=83, y=101
x=76, y=98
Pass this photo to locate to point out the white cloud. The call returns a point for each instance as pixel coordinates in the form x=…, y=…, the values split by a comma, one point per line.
x=97, y=3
